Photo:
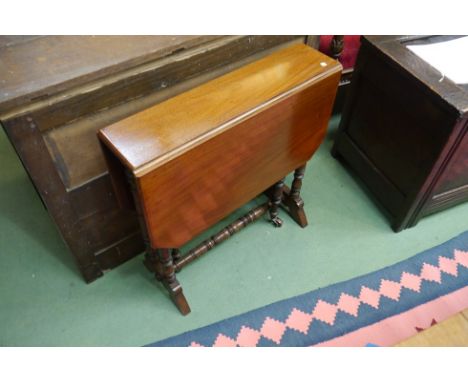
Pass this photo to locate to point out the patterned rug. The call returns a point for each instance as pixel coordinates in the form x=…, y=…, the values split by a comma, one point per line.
x=380, y=308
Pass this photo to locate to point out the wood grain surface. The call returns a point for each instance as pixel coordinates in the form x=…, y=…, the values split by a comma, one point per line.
x=450, y=332
x=394, y=49
x=403, y=131
x=151, y=137
x=37, y=67
x=201, y=155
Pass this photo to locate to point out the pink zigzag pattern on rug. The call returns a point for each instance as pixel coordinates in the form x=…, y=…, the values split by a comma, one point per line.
x=273, y=329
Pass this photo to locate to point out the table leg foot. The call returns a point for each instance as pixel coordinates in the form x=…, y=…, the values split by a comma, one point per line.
x=177, y=296
x=292, y=198
x=296, y=211
x=165, y=256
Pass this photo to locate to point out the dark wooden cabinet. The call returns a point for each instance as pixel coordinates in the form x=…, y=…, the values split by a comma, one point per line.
x=403, y=130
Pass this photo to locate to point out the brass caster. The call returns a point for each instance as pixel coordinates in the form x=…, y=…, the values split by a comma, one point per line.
x=277, y=222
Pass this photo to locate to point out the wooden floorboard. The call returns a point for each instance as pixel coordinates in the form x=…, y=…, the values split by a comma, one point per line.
x=465, y=314
x=451, y=332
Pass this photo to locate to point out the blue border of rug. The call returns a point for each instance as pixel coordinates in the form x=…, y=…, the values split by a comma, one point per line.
x=343, y=322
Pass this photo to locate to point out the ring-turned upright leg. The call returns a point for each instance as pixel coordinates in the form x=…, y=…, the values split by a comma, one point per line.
x=275, y=201
x=294, y=201
x=170, y=281
x=176, y=255
x=159, y=261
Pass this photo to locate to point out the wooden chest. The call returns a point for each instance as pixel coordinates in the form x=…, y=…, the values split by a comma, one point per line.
x=57, y=91
x=199, y=156
x=404, y=130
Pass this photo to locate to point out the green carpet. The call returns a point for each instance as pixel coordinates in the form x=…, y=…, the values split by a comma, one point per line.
x=44, y=301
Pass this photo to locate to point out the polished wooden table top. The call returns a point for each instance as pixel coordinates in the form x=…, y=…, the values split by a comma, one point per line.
x=152, y=137
x=204, y=153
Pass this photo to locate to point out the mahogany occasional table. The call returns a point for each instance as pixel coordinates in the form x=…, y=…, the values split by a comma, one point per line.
x=190, y=161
